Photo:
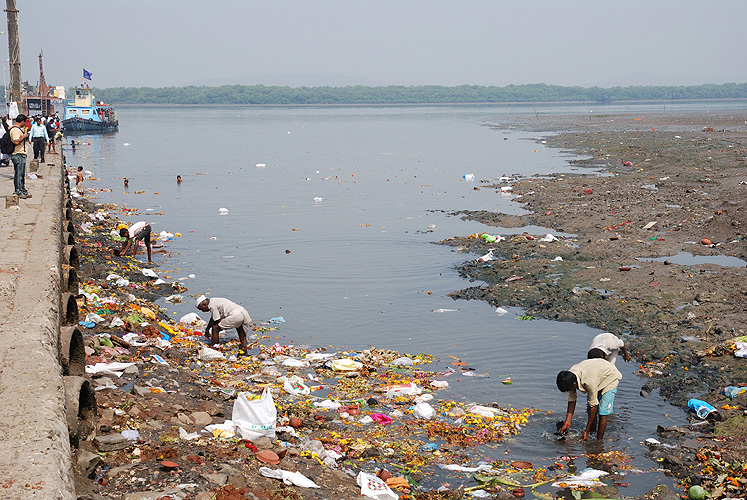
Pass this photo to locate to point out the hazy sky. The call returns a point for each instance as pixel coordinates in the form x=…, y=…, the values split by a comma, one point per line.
x=160, y=43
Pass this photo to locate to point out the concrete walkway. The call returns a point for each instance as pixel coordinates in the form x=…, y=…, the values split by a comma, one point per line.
x=35, y=458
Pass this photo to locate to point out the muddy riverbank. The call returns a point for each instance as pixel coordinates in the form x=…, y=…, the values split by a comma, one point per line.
x=669, y=187
x=166, y=404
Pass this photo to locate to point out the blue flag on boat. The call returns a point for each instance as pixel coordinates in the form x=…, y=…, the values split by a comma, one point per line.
x=87, y=74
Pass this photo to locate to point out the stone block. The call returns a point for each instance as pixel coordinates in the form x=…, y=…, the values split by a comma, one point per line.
x=111, y=442
x=201, y=418
x=11, y=200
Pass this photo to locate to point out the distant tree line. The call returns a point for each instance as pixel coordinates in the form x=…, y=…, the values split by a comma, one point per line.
x=395, y=94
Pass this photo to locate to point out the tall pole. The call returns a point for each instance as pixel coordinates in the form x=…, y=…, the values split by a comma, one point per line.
x=14, y=53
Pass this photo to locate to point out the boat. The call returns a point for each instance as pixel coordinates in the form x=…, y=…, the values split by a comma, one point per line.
x=83, y=113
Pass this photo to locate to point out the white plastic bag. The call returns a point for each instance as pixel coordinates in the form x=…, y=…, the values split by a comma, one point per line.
x=255, y=419
x=93, y=317
x=288, y=477
x=294, y=385
x=423, y=410
x=410, y=389
x=208, y=354
x=149, y=273
x=374, y=487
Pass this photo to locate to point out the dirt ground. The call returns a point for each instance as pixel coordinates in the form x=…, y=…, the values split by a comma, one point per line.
x=657, y=185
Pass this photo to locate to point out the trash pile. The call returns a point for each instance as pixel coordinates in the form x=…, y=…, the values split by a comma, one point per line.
x=722, y=473
x=182, y=419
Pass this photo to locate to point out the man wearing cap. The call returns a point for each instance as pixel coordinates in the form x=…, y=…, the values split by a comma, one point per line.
x=139, y=231
x=224, y=315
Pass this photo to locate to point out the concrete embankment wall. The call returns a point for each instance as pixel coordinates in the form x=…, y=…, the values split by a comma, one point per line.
x=37, y=274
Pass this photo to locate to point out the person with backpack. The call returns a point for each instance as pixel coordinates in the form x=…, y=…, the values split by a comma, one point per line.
x=5, y=157
x=17, y=136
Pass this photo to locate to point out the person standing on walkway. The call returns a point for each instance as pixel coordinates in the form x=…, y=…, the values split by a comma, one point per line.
x=4, y=159
x=39, y=138
x=50, y=135
x=18, y=135
x=598, y=379
x=224, y=315
x=607, y=345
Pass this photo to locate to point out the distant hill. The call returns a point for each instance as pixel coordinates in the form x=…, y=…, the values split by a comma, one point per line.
x=425, y=94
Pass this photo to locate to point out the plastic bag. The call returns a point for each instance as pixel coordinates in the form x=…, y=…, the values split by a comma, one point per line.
x=701, y=408
x=732, y=391
x=207, y=354
x=410, y=389
x=190, y=318
x=288, y=477
x=343, y=365
x=95, y=318
x=423, y=410
x=117, y=321
x=255, y=419
x=483, y=411
x=295, y=385
x=403, y=361
x=374, y=487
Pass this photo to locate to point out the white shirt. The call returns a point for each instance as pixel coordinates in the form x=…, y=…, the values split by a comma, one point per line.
x=221, y=308
x=609, y=343
x=136, y=227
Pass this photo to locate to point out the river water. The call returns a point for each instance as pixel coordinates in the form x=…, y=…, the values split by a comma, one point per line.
x=332, y=212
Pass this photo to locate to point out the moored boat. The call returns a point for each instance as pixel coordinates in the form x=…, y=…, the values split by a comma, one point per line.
x=83, y=113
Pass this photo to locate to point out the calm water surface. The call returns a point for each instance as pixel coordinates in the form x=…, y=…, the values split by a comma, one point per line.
x=358, y=195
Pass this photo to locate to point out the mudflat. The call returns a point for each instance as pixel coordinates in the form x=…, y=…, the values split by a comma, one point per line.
x=665, y=186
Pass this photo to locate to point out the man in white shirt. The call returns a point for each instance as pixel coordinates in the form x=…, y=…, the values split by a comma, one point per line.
x=39, y=138
x=224, y=315
x=609, y=345
x=140, y=231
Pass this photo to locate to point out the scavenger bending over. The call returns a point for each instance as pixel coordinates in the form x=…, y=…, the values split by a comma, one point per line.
x=224, y=315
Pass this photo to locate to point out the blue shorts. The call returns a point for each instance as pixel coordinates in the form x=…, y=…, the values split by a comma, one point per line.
x=606, y=401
